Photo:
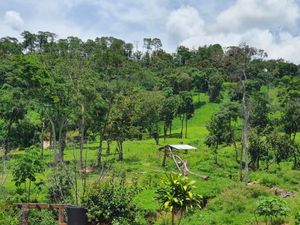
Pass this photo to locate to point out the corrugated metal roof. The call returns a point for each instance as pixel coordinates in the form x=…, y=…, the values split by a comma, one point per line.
x=182, y=147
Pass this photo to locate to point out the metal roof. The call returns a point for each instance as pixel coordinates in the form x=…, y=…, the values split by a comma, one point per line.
x=183, y=147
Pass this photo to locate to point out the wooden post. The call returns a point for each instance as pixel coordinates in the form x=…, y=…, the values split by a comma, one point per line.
x=26, y=206
x=61, y=219
x=25, y=214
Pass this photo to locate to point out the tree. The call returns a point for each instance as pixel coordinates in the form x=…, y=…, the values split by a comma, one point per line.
x=271, y=209
x=176, y=196
x=26, y=169
x=290, y=120
x=168, y=112
x=148, y=111
x=257, y=150
x=200, y=81
x=220, y=128
x=260, y=110
x=185, y=110
x=9, y=46
x=121, y=121
x=19, y=76
x=238, y=60
x=30, y=41
x=215, y=83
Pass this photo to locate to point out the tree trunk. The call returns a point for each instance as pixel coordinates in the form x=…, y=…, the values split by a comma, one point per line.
x=216, y=155
x=101, y=135
x=42, y=140
x=241, y=164
x=50, y=141
x=3, y=163
x=108, y=147
x=170, y=128
x=29, y=190
x=82, y=127
x=245, y=127
x=120, y=150
x=186, y=127
x=236, y=151
x=173, y=218
x=61, y=140
x=295, y=152
x=181, y=132
x=156, y=140
x=100, y=149
x=165, y=131
x=54, y=141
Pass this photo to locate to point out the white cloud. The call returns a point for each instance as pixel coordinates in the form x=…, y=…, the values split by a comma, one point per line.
x=184, y=23
x=13, y=20
x=249, y=21
x=188, y=22
x=247, y=14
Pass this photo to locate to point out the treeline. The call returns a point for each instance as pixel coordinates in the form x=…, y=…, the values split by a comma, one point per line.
x=107, y=89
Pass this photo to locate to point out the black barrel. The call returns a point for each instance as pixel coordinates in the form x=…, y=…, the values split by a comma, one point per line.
x=76, y=215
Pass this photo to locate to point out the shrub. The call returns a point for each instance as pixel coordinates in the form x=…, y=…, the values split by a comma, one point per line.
x=26, y=169
x=269, y=181
x=175, y=195
x=60, y=186
x=41, y=217
x=8, y=212
x=111, y=203
x=272, y=209
x=297, y=218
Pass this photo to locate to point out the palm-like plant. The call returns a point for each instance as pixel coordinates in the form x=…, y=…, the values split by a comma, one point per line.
x=175, y=195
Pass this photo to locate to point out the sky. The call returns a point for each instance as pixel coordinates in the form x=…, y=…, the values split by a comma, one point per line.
x=271, y=25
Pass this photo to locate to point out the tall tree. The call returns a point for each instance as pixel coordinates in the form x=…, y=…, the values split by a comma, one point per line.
x=238, y=60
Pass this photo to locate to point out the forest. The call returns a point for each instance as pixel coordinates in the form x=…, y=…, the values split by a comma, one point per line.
x=83, y=122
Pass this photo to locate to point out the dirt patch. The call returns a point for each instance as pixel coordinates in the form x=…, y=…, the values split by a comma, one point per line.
x=283, y=193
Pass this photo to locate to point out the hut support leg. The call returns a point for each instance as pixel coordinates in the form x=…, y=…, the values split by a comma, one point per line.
x=164, y=159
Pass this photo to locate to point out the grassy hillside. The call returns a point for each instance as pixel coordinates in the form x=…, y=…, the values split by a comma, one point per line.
x=228, y=201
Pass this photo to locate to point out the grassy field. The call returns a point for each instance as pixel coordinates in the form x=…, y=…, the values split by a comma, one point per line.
x=228, y=201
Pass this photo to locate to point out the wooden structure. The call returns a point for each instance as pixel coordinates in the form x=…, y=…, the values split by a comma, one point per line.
x=27, y=206
x=171, y=151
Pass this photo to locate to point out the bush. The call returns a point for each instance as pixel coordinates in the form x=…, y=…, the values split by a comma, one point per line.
x=269, y=181
x=8, y=212
x=297, y=218
x=176, y=195
x=41, y=217
x=25, y=172
x=272, y=209
x=111, y=203
x=60, y=186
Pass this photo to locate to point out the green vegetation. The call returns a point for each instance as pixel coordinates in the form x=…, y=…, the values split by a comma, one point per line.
x=81, y=123
x=176, y=196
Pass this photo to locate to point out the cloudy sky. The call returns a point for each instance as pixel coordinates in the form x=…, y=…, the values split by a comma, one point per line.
x=273, y=25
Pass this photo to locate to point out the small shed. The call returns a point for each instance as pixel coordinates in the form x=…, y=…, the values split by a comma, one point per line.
x=170, y=151
x=182, y=147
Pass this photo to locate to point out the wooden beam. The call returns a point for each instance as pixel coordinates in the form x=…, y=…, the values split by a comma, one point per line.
x=41, y=205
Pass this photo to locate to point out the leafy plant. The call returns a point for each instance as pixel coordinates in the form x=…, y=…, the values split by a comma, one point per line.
x=297, y=218
x=60, y=186
x=176, y=196
x=26, y=169
x=271, y=209
x=111, y=203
